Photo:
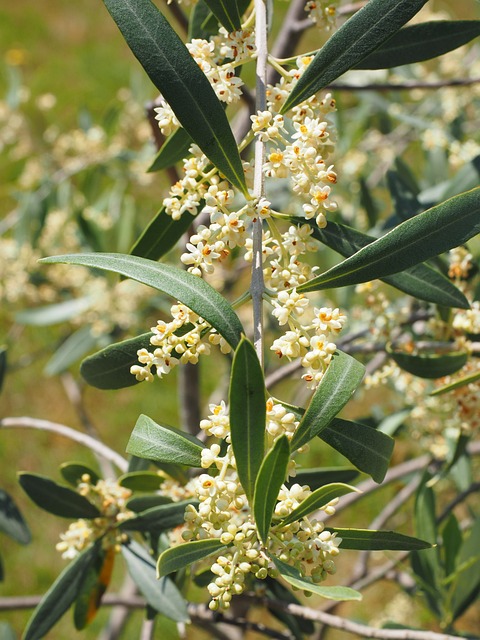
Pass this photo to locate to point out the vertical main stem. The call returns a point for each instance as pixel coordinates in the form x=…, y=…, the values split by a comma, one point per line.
x=257, y=285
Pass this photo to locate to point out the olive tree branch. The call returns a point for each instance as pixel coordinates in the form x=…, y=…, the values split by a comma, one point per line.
x=62, y=430
x=257, y=286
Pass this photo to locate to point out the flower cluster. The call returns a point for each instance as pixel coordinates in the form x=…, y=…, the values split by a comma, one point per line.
x=310, y=342
x=322, y=12
x=110, y=498
x=178, y=341
x=224, y=513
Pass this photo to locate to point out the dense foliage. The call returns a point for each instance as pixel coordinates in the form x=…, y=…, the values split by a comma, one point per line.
x=322, y=250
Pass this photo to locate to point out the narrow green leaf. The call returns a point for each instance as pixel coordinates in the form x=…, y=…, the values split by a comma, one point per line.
x=461, y=382
x=55, y=313
x=158, y=519
x=318, y=477
x=368, y=449
x=61, y=595
x=317, y=499
x=72, y=349
x=184, y=86
x=160, y=235
x=164, y=443
x=192, y=291
x=227, y=13
x=426, y=564
x=364, y=32
x=247, y=414
x=142, y=503
x=94, y=584
x=109, y=368
x=428, y=234
x=342, y=377
x=421, y=42
x=202, y=23
x=296, y=579
x=3, y=365
x=162, y=595
x=72, y=472
x=141, y=480
x=174, y=149
x=451, y=543
x=371, y=540
x=428, y=365
x=270, y=478
x=420, y=281
x=55, y=498
x=467, y=586
x=185, y=554
x=12, y=522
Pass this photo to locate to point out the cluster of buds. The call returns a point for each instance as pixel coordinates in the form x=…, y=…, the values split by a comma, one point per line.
x=310, y=342
x=110, y=498
x=224, y=513
x=175, y=342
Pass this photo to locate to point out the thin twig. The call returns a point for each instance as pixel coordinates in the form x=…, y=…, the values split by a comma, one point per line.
x=355, y=628
x=406, y=86
x=473, y=488
x=148, y=629
x=67, y=432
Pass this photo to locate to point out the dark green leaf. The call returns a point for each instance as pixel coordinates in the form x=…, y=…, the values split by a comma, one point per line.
x=185, y=554
x=184, y=86
x=72, y=472
x=247, y=414
x=161, y=235
x=370, y=540
x=420, y=281
x=174, y=149
x=368, y=449
x=141, y=480
x=11, y=520
x=452, y=541
x=55, y=313
x=342, y=377
x=368, y=203
x=270, y=478
x=426, y=564
x=457, y=384
x=110, y=367
x=431, y=233
x=61, y=595
x=94, y=584
x=158, y=519
x=364, y=32
x=192, y=291
x=317, y=499
x=227, y=13
x=202, y=23
x=421, y=42
x=296, y=579
x=428, y=365
x=75, y=347
x=55, y=498
x=3, y=365
x=162, y=595
x=467, y=586
x=164, y=443
x=316, y=478
x=142, y=503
